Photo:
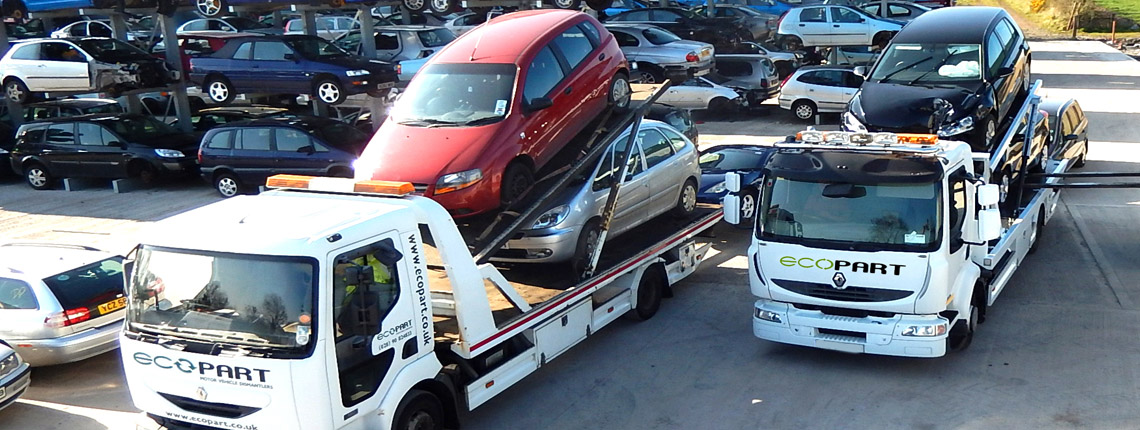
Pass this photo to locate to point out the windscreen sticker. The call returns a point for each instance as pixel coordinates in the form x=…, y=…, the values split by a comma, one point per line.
x=500, y=107
x=914, y=237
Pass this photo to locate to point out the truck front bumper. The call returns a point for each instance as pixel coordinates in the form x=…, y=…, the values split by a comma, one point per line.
x=785, y=323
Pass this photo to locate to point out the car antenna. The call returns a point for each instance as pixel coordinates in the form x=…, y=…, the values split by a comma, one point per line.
x=476, y=47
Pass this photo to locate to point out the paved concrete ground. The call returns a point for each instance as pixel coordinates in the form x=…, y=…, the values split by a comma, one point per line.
x=1059, y=349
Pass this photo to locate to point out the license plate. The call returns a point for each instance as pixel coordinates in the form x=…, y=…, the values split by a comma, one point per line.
x=112, y=305
x=384, y=85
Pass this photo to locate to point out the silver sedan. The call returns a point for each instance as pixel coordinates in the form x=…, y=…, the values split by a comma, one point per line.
x=15, y=375
x=60, y=304
x=658, y=54
x=663, y=176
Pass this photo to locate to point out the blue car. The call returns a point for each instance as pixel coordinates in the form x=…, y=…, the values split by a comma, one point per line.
x=619, y=6
x=22, y=7
x=290, y=64
x=773, y=7
x=747, y=160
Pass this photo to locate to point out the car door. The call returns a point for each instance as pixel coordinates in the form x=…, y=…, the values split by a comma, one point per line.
x=630, y=209
x=664, y=175
x=813, y=26
x=850, y=85
x=692, y=94
x=98, y=29
x=253, y=149
x=277, y=66
x=240, y=71
x=61, y=152
x=296, y=153
x=62, y=67
x=848, y=27
x=388, y=45
x=102, y=153
x=1002, y=46
x=822, y=88
x=551, y=75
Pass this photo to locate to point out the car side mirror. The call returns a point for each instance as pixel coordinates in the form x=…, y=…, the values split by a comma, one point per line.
x=539, y=103
x=861, y=71
x=307, y=149
x=1004, y=71
x=290, y=57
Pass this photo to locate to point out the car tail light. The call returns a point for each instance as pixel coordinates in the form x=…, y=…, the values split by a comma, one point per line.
x=764, y=82
x=692, y=57
x=785, y=81
x=68, y=317
x=199, y=156
x=399, y=69
x=781, y=20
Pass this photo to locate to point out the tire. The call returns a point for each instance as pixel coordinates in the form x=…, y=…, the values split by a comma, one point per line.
x=687, y=200
x=416, y=5
x=568, y=4
x=987, y=131
x=420, y=410
x=649, y=292
x=791, y=43
x=1084, y=154
x=144, y=172
x=219, y=90
x=620, y=93
x=517, y=180
x=647, y=74
x=227, y=184
x=587, y=240
x=15, y=9
x=881, y=40
x=962, y=334
x=441, y=7
x=329, y=90
x=598, y=5
x=38, y=177
x=720, y=105
x=17, y=91
x=210, y=8
x=804, y=109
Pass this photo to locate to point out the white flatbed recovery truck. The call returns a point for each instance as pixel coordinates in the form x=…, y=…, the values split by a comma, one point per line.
x=886, y=244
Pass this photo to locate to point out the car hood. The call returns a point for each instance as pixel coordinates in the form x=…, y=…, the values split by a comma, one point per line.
x=903, y=108
x=436, y=151
x=353, y=62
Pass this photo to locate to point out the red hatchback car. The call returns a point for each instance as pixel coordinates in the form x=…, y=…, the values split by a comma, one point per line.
x=495, y=105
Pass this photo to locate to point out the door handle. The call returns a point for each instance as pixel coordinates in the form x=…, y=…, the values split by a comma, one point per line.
x=803, y=25
x=835, y=25
x=41, y=65
x=567, y=90
x=602, y=56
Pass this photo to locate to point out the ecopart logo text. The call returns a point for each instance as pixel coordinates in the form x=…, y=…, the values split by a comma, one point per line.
x=854, y=266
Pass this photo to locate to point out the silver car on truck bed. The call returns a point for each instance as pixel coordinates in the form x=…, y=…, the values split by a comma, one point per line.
x=658, y=54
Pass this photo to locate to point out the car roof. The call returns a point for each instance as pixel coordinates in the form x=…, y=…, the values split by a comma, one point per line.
x=811, y=68
x=1053, y=104
x=407, y=27
x=216, y=34
x=79, y=103
x=41, y=260
x=507, y=39
x=97, y=117
x=958, y=24
x=630, y=25
x=304, y=122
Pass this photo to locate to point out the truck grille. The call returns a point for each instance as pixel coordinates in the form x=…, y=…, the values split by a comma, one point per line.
x=206, y=408
x=849, y=294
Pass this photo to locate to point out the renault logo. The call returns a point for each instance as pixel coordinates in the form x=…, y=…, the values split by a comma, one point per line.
x=839, y=280
x=202, y=393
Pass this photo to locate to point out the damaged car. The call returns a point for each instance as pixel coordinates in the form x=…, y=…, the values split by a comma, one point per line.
x=79, y=65
x=753, y=76
x=658, y=54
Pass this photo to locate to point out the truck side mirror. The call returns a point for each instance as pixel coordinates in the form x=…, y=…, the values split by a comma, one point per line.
x=732, y=182
x=988, y=195
x=989, y=224
x=731, y=203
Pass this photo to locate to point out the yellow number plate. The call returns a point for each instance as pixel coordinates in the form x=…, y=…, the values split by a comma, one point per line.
x=112, y=305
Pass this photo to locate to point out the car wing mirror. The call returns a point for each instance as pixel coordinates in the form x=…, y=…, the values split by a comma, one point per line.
x=861, y=71
x=290, y=57
x=539, y=103
x=1004, y=71
x=307, y=149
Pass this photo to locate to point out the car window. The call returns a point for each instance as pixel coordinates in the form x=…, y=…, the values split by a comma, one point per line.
x=77, y=29
x=667, y=16
x=543, y=75
x=291, y=140
x=56, y=51
x=243, y=51
x=655, y=146
x=896, y=10
x=591, y=32
x=993, y=54
x=341, y=135
x=872, y=9
x=675, y=139
x=387, y=41
x=851, y=80
x=844, y=15
x=813, y=14
x=1068, y=122
x=697, y=82
x=89, y=286
x=33, y=133
x=574, y=45
x=252, y=139
x=733, y=68
x=220, y=140
x=92, y=134
x=270, y=51
x=625, y=39
x=27, y=52
x=637, y=15
x=351, y=42
x=435, y=37
x=16, y=294
x=195, y=25
x=608, y=171
x=1004, y=32
x=659, y=36
x=61, y=134
x=197, y=47
x=99, y=29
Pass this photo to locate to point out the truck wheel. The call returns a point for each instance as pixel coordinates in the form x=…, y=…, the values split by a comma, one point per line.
x=804, y=109
x=587, y=242
x=687, y=201
x=881, y=40
x=649, y=292
x=962, y=334
x=420, y=410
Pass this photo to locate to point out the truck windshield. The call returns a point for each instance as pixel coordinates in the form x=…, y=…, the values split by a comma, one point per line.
x=264, y=302
x=931, y=63
x=898, y=217
x=457, y=95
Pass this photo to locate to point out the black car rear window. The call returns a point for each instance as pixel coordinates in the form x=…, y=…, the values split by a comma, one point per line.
x=88, y=286
x=16, y=294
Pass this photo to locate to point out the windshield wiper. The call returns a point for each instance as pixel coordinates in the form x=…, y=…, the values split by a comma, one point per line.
x=865, y=246
x=484, y=120
x=906, y=67
x=428, y=122
x=923, y=75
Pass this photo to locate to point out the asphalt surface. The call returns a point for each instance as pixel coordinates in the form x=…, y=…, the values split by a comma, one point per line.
x=1059, y=348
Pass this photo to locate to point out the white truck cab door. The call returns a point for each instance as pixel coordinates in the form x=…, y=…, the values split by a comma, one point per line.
x=372, y=321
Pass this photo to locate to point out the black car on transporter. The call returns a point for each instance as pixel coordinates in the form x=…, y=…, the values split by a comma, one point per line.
x=956, y=71
x=101, y=146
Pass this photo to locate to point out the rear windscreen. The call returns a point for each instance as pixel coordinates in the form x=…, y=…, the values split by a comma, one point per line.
x=16, y=294
x=90, y=286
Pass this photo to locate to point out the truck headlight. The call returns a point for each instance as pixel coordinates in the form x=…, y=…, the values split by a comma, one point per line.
x=924, y=330
x=356, y=72
x=961, y=126
x=457, y=181
x=768, y=316
x=169, y=153
x=851, y=123
x=551, y=217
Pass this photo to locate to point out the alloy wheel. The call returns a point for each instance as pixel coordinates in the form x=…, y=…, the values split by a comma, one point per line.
x=218, y=91
x=209, y=7
x=689, y=198
x=36, y=177
x=804, y=111
x=620, y=92
x=328, y=92
x=747, y=206
x=643, y=77
x=227, y=186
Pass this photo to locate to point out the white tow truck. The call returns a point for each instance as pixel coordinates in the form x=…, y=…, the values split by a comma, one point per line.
x=329, y=303
x=887, y=244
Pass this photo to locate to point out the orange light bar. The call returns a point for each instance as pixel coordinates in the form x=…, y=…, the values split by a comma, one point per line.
x=391, y=188
x=921, y=139
x=288, y=181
